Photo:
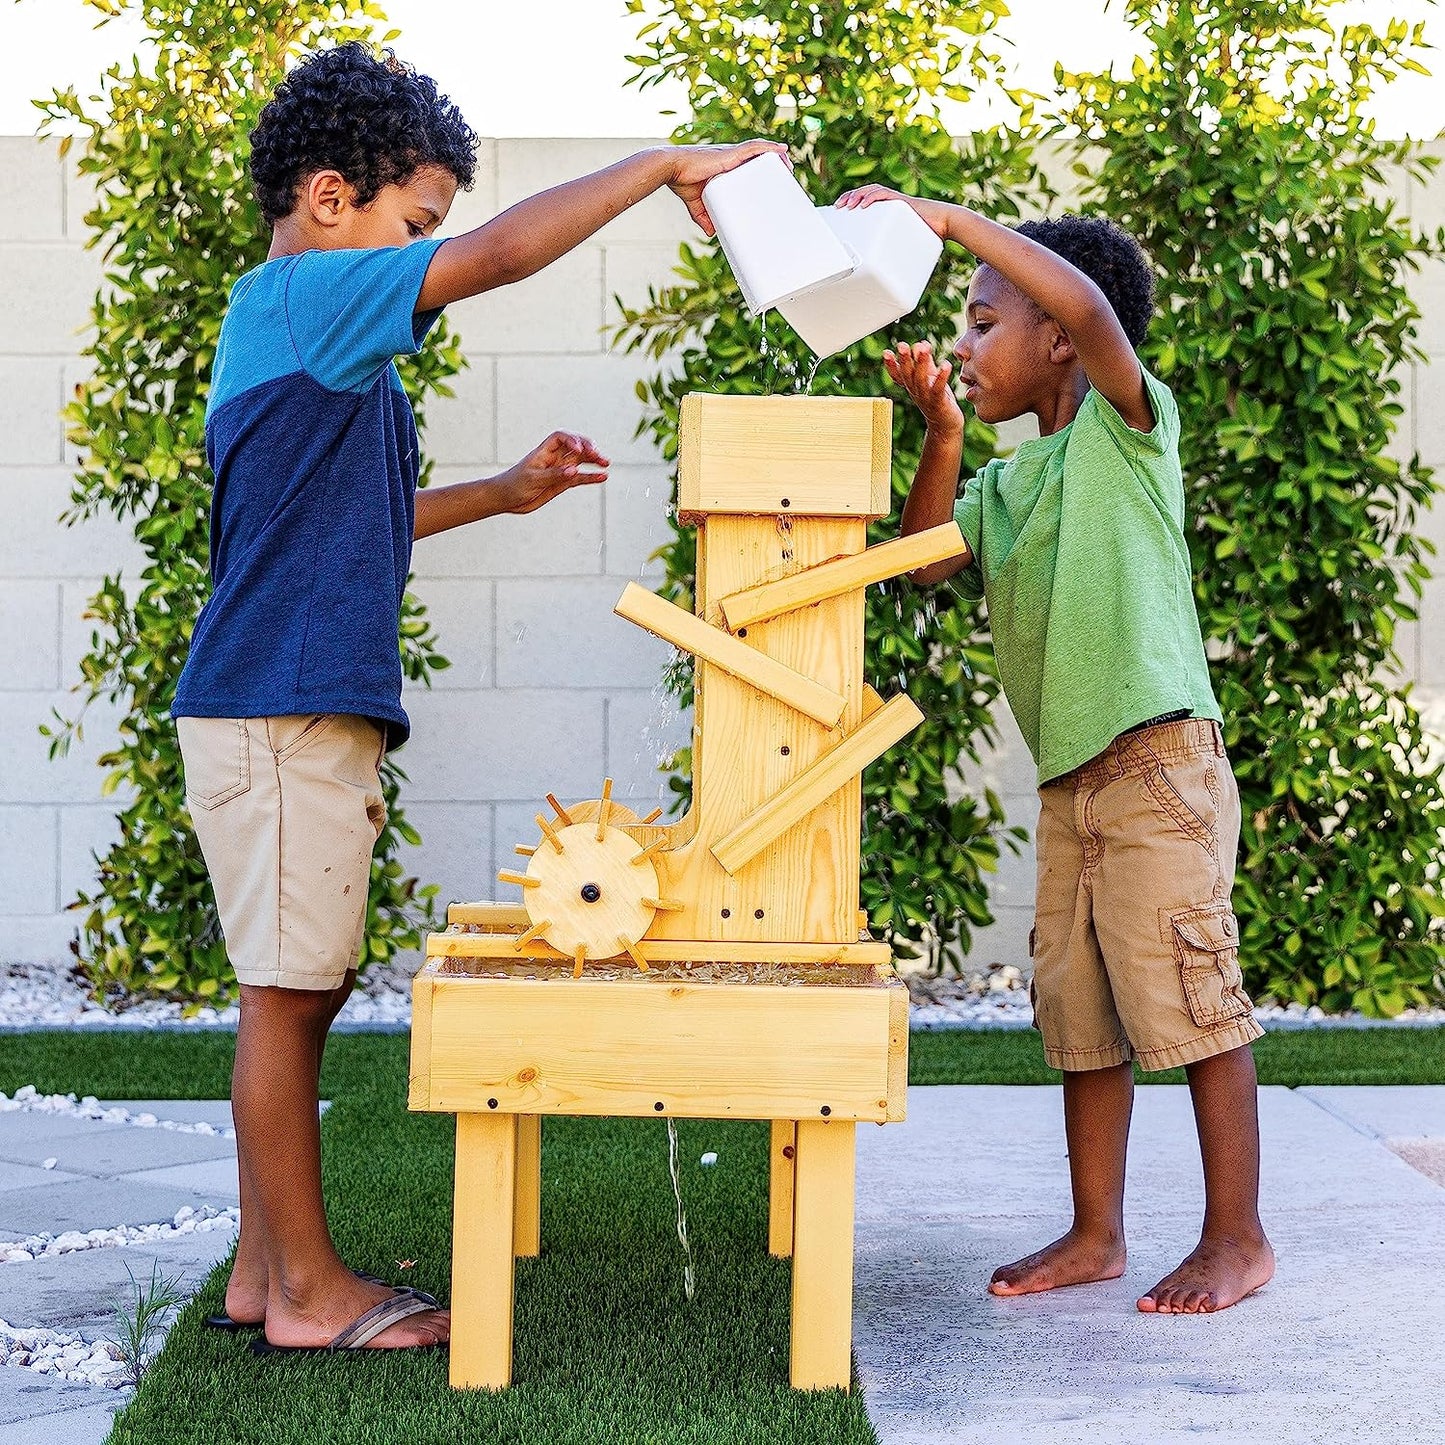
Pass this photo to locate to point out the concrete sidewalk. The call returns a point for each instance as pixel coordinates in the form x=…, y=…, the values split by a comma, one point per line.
x=1344, y=1345
x=103, y=1175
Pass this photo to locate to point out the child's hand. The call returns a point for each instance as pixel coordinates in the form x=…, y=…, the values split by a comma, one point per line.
x=551, y=469
x=694, y=166
x=915, y=370
x=935, y=213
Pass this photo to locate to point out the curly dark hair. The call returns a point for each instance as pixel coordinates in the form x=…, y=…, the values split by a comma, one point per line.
x=365, y=114
x=1110, y=257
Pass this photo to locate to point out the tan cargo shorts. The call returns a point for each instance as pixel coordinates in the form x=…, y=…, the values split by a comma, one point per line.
x=1136, y=948
x=287, y=811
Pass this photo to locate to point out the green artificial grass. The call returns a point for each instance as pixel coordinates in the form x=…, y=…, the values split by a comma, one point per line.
x=1292, y=1057
x=197, y=1065
x=607, y=1350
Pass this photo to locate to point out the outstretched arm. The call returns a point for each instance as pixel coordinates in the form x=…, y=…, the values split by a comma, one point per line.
x=535, y=232
x=544, y=473
x=1060, y=289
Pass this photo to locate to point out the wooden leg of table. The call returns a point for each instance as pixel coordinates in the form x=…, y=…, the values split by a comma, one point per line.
x=527, y=1222
x=780, y=1187
x=823, y=1255
x=482, y=1214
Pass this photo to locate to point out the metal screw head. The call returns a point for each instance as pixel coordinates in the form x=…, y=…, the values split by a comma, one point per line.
x=591, y=893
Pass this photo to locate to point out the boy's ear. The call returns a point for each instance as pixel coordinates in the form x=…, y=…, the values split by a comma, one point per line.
x=326, y=195
x=1061, y=346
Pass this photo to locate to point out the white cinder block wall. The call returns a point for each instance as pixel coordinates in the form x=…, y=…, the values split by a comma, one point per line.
x=548, y=690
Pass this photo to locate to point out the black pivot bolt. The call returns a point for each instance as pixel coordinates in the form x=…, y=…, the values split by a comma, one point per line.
x=591, y=893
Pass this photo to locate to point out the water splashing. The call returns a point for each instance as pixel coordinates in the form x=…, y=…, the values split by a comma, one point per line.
x=689, y=1277
x=777, y=364
x=658, y=740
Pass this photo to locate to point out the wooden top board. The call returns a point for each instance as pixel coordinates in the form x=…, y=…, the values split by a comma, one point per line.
x=810, y=456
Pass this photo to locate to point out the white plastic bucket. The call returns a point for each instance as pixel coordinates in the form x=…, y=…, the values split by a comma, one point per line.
x=777, y=242
x=894, y=252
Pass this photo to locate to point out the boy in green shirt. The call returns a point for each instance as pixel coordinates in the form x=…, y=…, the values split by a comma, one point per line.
x=1077, y=544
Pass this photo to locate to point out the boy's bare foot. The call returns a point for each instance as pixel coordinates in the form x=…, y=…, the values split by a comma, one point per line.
x=1219, y=1273
x=1077, y=1258
x=318, y=1321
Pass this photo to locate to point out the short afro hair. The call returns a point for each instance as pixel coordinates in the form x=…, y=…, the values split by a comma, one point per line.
x=364, y=114
x=1110, y=257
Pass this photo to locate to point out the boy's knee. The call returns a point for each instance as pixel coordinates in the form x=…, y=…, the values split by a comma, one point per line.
x=300, y=1005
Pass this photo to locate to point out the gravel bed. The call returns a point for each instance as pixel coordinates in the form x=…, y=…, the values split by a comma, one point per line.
x=34, y=995
x=63, y=1356
x=29, y=1100
x=998, y=997
x=53, y=996
x=198, y=1219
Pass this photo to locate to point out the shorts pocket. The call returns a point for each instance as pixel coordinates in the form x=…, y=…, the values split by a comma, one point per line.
x=218, y=765
x=288, y=735
x=1206, y=943
x=1172, y=802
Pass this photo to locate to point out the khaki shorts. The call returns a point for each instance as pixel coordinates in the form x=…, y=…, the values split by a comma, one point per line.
x=287, y=811
x=1136, y=949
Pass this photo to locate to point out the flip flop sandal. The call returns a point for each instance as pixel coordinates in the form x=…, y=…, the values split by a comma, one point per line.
x=224, y=1322
x=360, y=1332
x=421, y=1294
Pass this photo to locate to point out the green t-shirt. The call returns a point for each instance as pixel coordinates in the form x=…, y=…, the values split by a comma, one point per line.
x=1078, y=543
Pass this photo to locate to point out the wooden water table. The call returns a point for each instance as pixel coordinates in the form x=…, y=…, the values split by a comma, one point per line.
x=716, y=967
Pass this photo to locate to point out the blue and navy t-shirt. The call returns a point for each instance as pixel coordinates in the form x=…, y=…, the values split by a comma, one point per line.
x=314, y=450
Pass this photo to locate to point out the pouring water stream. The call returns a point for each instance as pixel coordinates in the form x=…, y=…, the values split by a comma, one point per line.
x=689, y=1276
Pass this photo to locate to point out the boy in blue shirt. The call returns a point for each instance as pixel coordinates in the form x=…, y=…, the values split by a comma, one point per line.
x=291, y=692
x=1077, y=544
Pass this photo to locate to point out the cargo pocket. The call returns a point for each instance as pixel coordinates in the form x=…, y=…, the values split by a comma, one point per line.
x=218, y=767
x=1206, y=943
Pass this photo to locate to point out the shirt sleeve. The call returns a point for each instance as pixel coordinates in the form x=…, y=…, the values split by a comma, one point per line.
x=1164, y=437
x=968, y=513
x=352, y=312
